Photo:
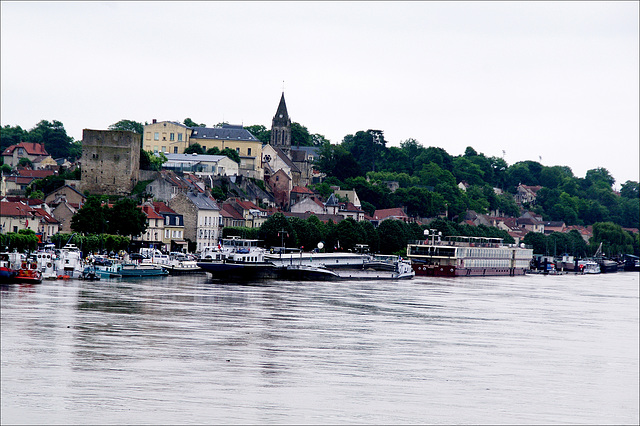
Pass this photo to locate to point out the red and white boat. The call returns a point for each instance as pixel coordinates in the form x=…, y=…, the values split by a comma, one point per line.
x=467, y=256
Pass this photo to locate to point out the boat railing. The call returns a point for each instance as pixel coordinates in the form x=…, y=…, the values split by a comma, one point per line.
x=450, y=243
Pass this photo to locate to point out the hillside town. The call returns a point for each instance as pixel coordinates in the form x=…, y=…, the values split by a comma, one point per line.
x=182, y=215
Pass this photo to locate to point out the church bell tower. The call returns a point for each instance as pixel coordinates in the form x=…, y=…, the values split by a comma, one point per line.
x=281, y=128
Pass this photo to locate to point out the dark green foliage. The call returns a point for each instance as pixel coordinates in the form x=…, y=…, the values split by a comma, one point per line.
x=242, y=232
x=23, y=240
x=190, y=123
x=128, y=125
x=260, y=132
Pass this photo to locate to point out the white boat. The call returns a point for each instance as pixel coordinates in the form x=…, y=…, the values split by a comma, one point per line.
x=242, y=259
x=69, y=262
x=588, y=267
x=45, y=260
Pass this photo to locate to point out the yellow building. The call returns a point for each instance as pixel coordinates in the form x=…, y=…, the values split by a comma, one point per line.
x=166, y=137
x=173, y=138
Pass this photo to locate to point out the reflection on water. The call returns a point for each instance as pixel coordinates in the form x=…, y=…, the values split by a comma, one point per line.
x=534, y=349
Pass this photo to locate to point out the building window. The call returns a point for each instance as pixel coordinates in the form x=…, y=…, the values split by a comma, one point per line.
x=238, y=150
x=156, y=136
x=172, y=136
x=248, y=151
x=175, y=149
x=179, y=137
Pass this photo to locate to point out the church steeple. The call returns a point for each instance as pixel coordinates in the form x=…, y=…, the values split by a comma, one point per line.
x=281, y=128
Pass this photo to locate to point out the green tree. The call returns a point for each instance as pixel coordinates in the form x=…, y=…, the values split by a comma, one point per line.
x=91, y=218
x=128, y=125
x=25, y=162
x=11, y=135
x=367, y=148
x=392, y=233
x=335, y=160
x=54, y=138
x=190, y=123
x=350, y=234
x=630, y=189
x=537, y=241
x=277, y=230
x=614, y=239
x=260, y=132
x=126, y=218
x=194, y=148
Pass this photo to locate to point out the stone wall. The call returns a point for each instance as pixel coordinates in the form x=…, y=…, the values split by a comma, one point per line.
x=110, y=161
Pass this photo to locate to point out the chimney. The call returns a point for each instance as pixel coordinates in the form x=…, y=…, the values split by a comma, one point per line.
x=154, y=121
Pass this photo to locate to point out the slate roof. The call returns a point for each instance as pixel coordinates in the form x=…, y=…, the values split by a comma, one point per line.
x=226, y=132
x=191, y=158
x=202, y=202
x=332, y=201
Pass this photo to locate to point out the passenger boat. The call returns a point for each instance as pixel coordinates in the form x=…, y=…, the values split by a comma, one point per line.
x=238, y=259
x=181, y=265
x=243, y=259
x=467, y=256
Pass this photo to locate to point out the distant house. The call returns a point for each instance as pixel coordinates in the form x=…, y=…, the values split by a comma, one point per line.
x=173, y=238
x=32, y=151
x=202, y=165
x=167, y=184
x=63, y=212
x=253, y=215
x=396, y=213
x=66, y=192
x=230, y=216
x=201, y=218
x=554, y=226
x=309, y=204
x=16, y=215
x=298, y=193
x=526, y=194
x=280, y=184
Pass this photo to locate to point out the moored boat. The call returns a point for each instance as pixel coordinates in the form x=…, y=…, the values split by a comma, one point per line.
x=29, y=273
x=68, y=262
x=467, y=256
x=8, y=271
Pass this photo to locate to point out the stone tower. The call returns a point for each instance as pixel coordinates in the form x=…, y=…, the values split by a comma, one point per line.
x=110, y=161
x=281, y=128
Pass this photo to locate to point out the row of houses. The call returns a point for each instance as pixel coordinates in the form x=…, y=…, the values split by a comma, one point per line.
x=188, y=214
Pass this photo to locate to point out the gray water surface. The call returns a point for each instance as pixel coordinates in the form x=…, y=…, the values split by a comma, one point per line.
x=184, y=350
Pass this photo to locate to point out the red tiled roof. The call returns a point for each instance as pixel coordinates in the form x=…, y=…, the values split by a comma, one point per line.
x=40, y=174
x=9, y=208
x=161, y=207
x=301, y=190
x=31, y=148
x=150, y=212
x=46, y=216
x=229, y=211
x=385, y=213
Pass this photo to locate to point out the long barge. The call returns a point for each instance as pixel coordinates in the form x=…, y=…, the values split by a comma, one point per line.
x=461, y=256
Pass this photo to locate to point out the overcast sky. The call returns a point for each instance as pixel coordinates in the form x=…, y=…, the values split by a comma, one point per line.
x=555, y=82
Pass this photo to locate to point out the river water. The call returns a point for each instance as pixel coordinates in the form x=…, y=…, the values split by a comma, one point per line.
x=183, y=350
